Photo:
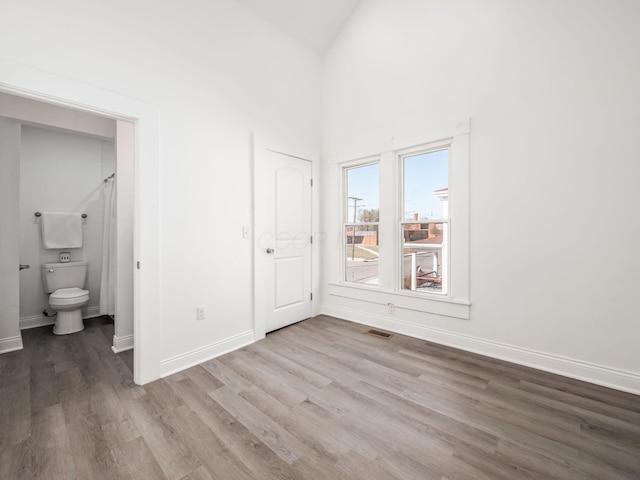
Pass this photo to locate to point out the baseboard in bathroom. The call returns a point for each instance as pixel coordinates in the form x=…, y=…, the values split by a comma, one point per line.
x=10, y=344
x=36, y=321
x=122, y=344
x=91, y=312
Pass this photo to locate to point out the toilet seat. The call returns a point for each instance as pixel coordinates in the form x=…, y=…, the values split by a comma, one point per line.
x=68, y=296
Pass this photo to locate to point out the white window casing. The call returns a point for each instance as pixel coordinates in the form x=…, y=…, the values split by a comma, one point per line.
x=455, y=302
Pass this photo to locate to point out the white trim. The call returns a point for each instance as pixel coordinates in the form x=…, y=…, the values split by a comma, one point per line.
x=10, y=344
x=373, y=145
x=588, y=372
x=445, y=248
x=202, y=354
x=122, y=344
x=405, y=299
x=32, y=112
x=36, y=321
x=455, y=137
x=355, y=163
x=362, y=152
x=25, y=81
x=91, y=312
x=432, y=135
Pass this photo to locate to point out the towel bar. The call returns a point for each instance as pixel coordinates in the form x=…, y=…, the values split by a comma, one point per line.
x=38, y=214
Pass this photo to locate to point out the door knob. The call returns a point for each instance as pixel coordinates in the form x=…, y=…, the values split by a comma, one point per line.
x=22, y=267
x=270, y=250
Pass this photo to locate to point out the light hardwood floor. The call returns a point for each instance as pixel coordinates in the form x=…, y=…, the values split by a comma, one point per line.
x=321, y=399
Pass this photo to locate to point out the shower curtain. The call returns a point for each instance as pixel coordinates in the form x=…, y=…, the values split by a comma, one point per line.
x=108, y=282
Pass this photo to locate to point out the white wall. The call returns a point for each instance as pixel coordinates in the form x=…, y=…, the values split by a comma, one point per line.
x=60, y=172
x=552, y=91
x=10, y=338
x=214, y=72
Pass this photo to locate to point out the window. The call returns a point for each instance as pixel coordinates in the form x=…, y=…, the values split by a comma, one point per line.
x=361, y=220
x=403, y=225
x=424, y=224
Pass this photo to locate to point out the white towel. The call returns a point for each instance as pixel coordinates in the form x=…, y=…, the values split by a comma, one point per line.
x=61, y=230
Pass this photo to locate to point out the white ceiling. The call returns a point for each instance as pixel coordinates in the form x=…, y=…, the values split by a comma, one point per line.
x=314, y=23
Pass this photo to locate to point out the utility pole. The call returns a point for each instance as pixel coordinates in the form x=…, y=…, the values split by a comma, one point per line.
x=353, y=236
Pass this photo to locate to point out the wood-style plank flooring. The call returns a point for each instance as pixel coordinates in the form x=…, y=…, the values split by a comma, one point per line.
x=321, y=399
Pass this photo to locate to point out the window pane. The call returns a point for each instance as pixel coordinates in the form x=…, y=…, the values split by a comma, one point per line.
x=363, y=194
x=361, y=254
x=426, y=186
x=424, y=257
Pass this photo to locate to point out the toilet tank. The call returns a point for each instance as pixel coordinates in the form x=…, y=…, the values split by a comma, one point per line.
x=63, y=275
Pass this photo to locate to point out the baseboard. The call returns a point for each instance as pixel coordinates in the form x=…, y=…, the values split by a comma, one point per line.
x=10, y=344
x=588, y=372
x=194, y=357
x=122, y=344
x=36, y=321
x=91, y=312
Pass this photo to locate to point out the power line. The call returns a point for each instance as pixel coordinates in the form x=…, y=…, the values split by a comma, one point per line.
x=355, y=206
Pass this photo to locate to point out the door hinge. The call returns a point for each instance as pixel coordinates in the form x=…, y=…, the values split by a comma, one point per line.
x=311, y=295
x=311, y=239
x=138, y=265
x=312, y=182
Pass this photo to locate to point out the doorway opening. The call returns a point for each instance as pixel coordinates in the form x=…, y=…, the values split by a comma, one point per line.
x=60, y=159
x=23, y=81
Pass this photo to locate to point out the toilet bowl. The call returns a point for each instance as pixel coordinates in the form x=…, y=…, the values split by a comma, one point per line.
x=68, y=302
x=64, y=281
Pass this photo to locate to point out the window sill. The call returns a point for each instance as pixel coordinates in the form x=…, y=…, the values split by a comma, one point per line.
x=419, y=302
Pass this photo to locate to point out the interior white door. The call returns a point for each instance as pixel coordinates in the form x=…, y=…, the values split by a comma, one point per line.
x=283, y=239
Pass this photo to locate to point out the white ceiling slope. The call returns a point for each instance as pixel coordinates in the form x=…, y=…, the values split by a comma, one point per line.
x=314, y=23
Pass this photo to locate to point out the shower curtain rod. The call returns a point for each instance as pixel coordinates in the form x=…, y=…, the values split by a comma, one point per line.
x=110, y=176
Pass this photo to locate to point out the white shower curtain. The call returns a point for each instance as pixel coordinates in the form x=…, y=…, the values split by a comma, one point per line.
x=108, y=282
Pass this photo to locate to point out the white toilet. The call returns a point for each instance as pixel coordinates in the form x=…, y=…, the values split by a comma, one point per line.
x=65, y=282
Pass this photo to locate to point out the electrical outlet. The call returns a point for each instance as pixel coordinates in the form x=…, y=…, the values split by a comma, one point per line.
x=392, y=308
x=65, y=257
x=200, y=313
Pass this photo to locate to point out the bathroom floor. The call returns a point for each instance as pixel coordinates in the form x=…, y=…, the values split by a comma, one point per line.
x=54, y=399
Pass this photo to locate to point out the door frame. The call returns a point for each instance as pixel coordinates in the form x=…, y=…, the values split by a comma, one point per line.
x=23, y=81
x=261, y=146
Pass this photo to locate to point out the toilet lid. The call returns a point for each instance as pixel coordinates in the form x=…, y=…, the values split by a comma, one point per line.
x=69, y=293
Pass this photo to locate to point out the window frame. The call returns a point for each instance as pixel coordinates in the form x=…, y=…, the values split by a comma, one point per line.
x=388, y=294
x=362, y=162
x=399, y=157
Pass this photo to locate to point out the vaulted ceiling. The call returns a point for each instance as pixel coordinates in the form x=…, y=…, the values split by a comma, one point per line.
x=314, y=23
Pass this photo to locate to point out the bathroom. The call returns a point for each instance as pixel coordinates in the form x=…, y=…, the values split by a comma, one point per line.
x=57, y=159
x=61, y=172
